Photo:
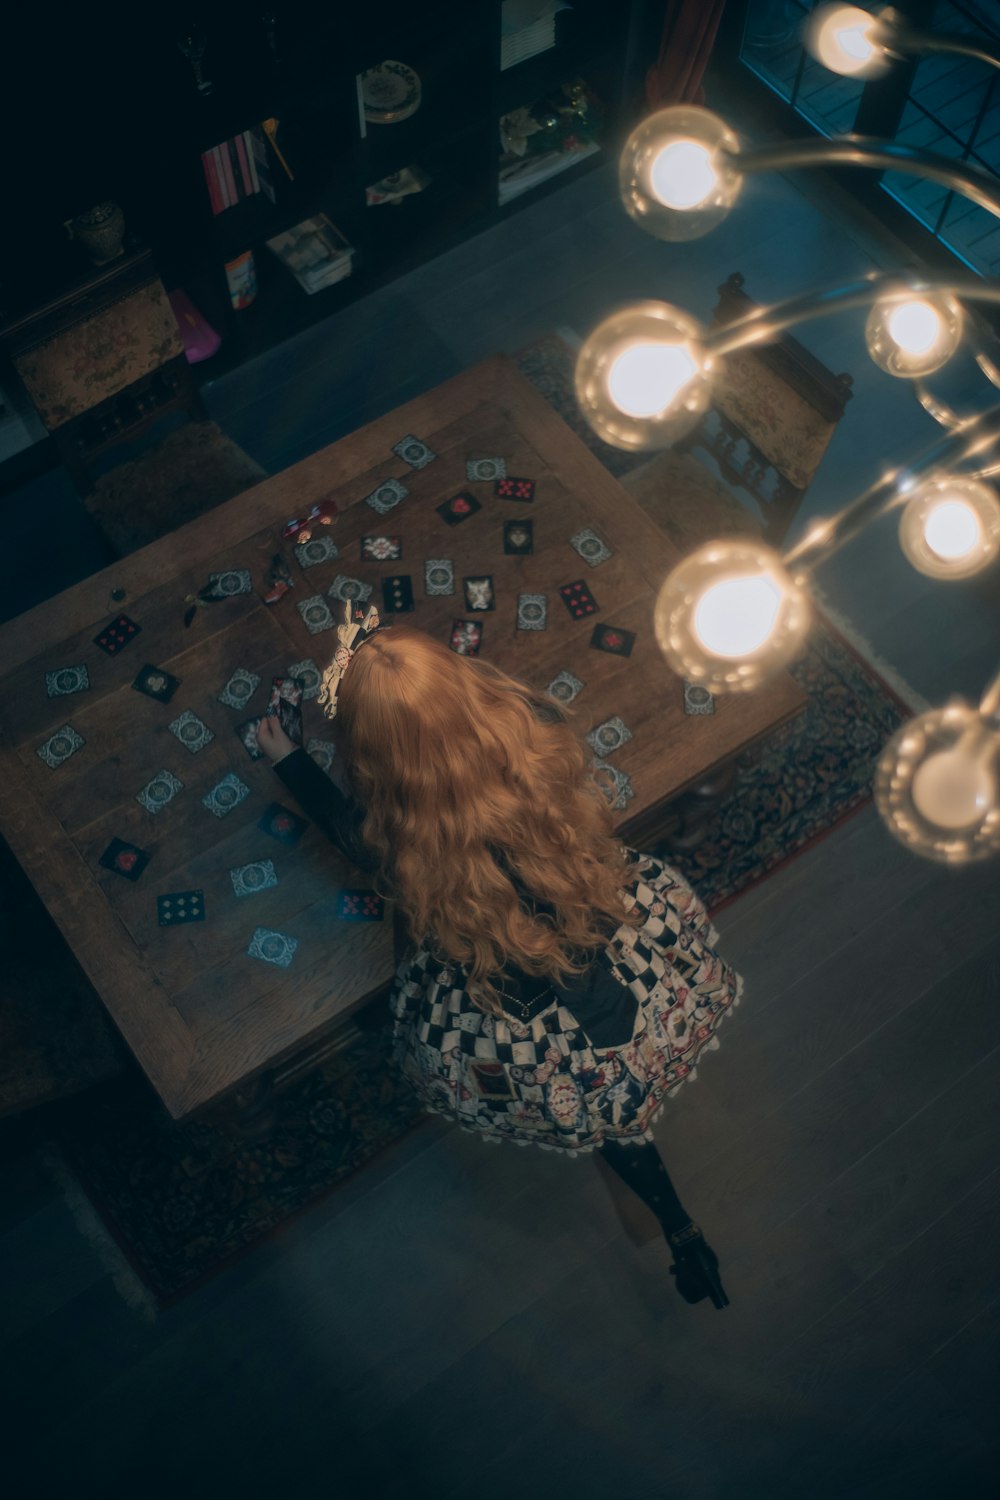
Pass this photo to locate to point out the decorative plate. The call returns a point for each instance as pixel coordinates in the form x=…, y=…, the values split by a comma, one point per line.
x=390, y=92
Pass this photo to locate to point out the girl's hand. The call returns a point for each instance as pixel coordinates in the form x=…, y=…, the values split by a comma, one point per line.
x=272, y=739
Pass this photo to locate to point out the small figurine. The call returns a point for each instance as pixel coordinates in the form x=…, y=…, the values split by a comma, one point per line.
x=279, y=578
x=302, y=530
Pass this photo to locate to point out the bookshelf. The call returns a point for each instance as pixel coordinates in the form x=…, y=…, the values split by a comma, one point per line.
x=125, y=121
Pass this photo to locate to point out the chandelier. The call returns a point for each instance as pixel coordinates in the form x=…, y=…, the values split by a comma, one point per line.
x=734, y=612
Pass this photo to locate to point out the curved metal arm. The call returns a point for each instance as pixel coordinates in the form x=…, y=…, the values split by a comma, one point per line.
x=942, y=413
x=989, y=704
x=897, y=36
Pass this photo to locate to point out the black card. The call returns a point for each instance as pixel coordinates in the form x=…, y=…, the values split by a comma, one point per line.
x=180, y=906
x=247, y=732
x=156, y=683
x=397, y=594
x=611, y=638
x=578, y=599
x=283, y=825
x=459, y=508
x=518, y=538
x=125, y=859
x=117, y=635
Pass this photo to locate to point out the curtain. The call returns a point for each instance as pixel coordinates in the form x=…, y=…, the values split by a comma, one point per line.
x=689, y=28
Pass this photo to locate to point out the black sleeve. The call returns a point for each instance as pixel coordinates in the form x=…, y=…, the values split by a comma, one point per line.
x=339, y=817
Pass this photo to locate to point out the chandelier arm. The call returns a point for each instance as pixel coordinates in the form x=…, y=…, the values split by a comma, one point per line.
x=827, y=535
x=987, y=366
x=989, y=704
x=897, y=37
x=989, y=472
x=942, y=413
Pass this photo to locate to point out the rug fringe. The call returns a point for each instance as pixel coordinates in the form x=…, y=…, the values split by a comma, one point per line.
x=909, y=695
x=88, y=1222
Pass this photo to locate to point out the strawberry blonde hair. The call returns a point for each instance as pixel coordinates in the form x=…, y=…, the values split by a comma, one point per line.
x=448, y=756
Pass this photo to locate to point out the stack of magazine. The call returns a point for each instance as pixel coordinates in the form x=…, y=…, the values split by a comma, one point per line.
x=315, y=252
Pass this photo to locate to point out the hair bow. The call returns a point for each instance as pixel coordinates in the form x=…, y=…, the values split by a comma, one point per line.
x=352, y=636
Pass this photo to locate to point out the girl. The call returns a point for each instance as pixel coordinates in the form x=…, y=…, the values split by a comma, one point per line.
x=557, y=986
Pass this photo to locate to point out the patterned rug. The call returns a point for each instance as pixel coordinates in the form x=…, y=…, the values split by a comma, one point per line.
x=183, y=1201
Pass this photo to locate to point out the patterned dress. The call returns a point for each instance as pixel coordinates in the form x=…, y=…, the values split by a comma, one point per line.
x=568, y=1067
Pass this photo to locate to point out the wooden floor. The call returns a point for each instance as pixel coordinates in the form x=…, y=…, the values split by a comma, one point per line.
x=469, y=1322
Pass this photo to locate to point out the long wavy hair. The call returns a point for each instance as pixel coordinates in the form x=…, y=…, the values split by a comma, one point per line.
x=449, y=757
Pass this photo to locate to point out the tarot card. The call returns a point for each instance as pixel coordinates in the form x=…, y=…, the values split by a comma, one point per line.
x=611, y=638
x=609, y=736
x=117, y=635
x=623, y=791
x=124, y=858
x=387, y=496
x=344, y=588
x=466, y=637
x=66, y=680
x=381, y=548
x=479, y=593
x=565, y=687
x=247, y=732
x=240, y=688
x=459, y=508
x=156, y=683
x=60, y=746
x=414, y=452
x=532, y=611
x=318, y=549
x=193, y=734
x=485, y=468
x=518, y=538
x=227, y=585
x=285, y=704
x=225, y=795
x=397, y=594
x=697, y=699
x=578, y=599
x=590, y=547
x=309, y=678
x=439, y=576
x=282, y=825
x=316, y=614
x=249, y=879
x=157, y=793
x=360, y=906
x=180, y=906
x=511, y=488
x=272, y=947
x=323, y=752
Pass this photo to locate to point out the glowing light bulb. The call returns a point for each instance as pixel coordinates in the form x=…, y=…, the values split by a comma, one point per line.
x=952, y=530
x=682, y=174
x=952, y=789
x=915, y=326
x=842, y=38
x=647, y=378
x=735, y=617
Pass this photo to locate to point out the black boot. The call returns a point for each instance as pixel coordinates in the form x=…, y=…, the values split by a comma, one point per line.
x=697, y=1267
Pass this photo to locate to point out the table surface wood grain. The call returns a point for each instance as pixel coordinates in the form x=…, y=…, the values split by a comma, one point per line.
x=200, y=1015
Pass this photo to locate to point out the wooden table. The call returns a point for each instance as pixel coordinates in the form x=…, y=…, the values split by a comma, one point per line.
x=200, y=1015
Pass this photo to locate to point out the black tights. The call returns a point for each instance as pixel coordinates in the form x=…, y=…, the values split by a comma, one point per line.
x=643, y=1170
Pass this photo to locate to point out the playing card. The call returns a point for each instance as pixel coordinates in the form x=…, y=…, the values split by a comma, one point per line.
x=532, y=611
x=381, y=548
x=180, y=906
x=318, y=549
x=157, y=793
x=518, y=538
x=285, y=690
x=226, y=585
x=316, y=614
x=622, y=792
x=323, y=752
x=249, y=879
x=116, y=635
x=611, y=638
x=413, y=452
x=485, y=468
x=511, y=488
x=578, y=599
x=272, y=947
x=247, y=732
x=283, y=825
x=609, y=736
x=240, y=688
x=285, y=704
x=564, y=687
x=459, y=508
x=397, y=594
x=344, y=588
x=156, y=683
x=466, y=637
x=66, y=680
x=125, y=859
x=439, y=576
x=387, y=496
x=479, y=593
x=590, y=547
x=193, y=734
x=697, y=699
x=360, y=906
x=225, y=795
x=60, y=746
x=308, y=676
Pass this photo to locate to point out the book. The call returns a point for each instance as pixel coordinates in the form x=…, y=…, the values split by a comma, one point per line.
x=251, y=161
x=261, y=163
x=214, y=196
x=220, y=177
x=315, y=252
x=247, y=180
x=241, y=276
x=229, y=147
x=227, y=175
